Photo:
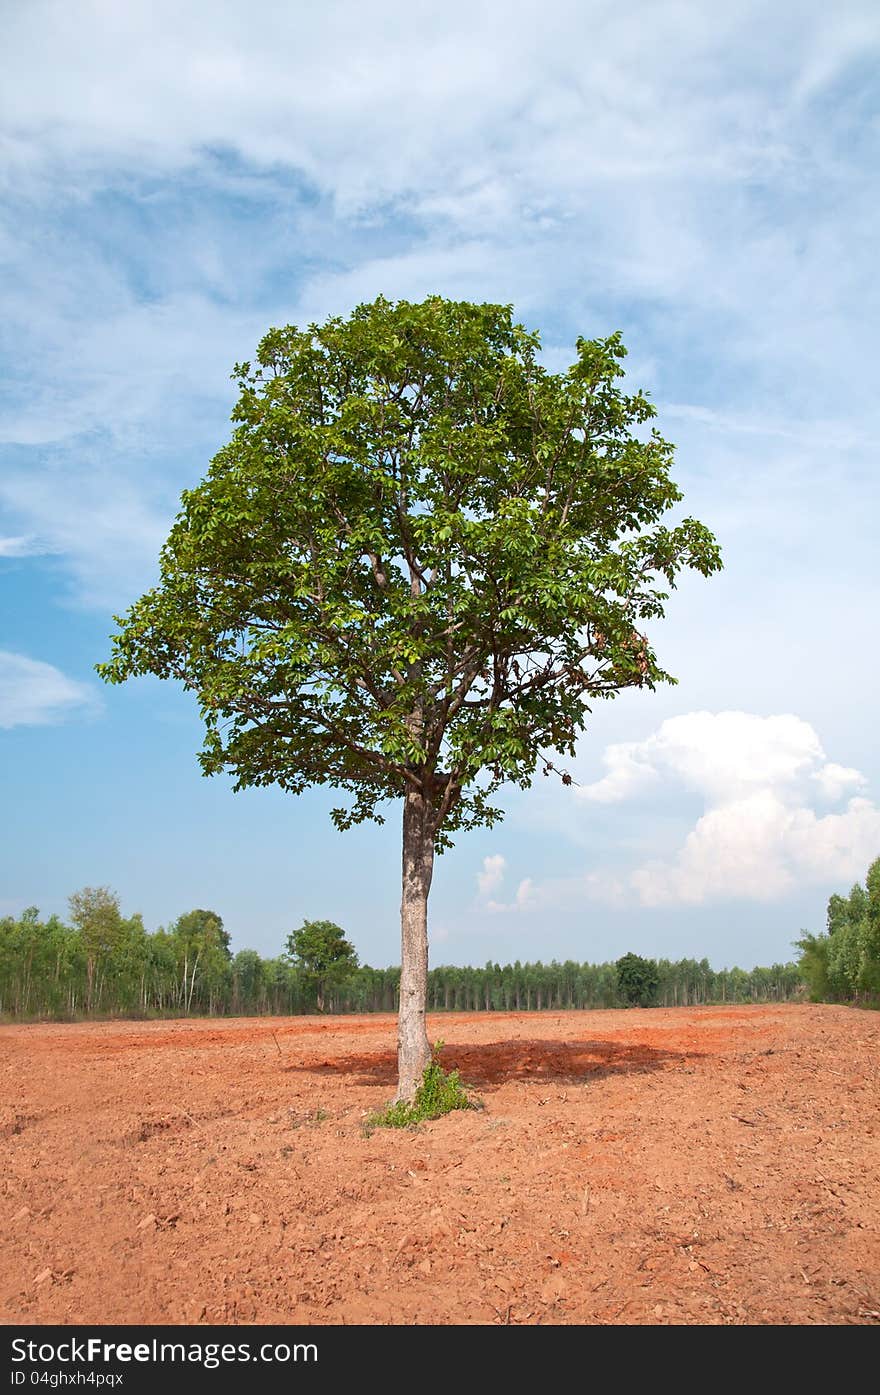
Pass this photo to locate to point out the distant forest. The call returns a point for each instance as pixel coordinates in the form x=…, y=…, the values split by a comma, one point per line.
x=106, y=964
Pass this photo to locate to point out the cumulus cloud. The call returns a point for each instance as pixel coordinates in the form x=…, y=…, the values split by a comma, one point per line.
x=758, y=837
x=492, y=878
x=720, y=754
x=33, y=693
x=492, y=874
x=525, y=899
x=834, y=780
x=759, y=849
x=629, y=773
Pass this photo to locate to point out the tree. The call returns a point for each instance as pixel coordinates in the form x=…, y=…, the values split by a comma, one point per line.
x=204, y=954
x=836, y=915
x=323, y=955
x=845, y=962
x=203, y=928
x=418, y=561
x=869, y=967
x=95, y=913
x=248, y=977
x=637, y=980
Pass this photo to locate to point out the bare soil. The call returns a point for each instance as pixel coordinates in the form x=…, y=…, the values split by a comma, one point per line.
x=703, y=1165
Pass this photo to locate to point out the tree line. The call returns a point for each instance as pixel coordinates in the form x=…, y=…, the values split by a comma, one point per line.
x=103, y=963
x=843, y=965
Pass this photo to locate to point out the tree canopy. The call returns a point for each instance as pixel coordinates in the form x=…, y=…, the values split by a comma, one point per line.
x=418, y=559
x=844, y=964
x=325, y=957
x=637, y=980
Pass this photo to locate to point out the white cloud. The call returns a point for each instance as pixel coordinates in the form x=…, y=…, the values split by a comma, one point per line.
x=492, y=874
x=33, y=693
x=525, y=895
x=760, y=848
x=592, y=163
x=25, y=546
x=834, y=780
x=498, y=96
x=491, y=879
x=629, y=773
x=759, y=837
x=526, y=899
x=722, y=755
x=564, y=894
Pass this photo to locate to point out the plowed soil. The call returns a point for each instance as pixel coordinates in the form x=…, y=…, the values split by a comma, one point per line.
x=687, y=1166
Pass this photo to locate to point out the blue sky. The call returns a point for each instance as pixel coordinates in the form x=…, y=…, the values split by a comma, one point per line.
x=177, y=179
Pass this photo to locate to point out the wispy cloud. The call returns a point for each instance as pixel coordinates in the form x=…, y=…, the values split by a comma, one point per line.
x=25, y=546
x=33, y=693
x=177, y=180
x=543, y=93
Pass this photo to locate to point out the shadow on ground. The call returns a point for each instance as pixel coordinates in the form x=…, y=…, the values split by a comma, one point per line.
x=495, y=1062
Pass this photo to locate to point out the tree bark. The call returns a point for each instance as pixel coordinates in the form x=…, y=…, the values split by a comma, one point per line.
x=413, y=1050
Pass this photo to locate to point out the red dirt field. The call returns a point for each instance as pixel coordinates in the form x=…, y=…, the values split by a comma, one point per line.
x=702, y=1165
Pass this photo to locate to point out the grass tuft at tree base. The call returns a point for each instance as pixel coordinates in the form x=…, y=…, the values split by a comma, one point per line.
x=439, y=1093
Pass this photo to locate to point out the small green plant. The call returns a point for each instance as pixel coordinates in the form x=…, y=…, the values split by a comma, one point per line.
x=439, y=1093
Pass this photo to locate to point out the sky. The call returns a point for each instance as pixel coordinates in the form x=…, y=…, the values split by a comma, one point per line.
x=174, y=180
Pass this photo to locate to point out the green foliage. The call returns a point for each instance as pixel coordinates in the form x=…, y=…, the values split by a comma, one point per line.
x=439, y=1093
x=637, y=980
x=112, y=947
x=323, y=955
x=814, y=965
x=844, y=964
x=203, y=929
x=837, y=914
x=202, y=956
x=869, y=965
x=417, y=562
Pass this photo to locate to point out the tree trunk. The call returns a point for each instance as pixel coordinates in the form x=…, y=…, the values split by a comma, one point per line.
x=413, y=1051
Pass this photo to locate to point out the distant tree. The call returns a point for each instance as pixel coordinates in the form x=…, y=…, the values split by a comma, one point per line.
x=95, y=913
x=845, y=949
x=203, y=955
x=203, y=928
x=38, y=961
x=837, y=914
x=248, y=978
x=323, y=956
x=418, y=562
x=637, y=980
